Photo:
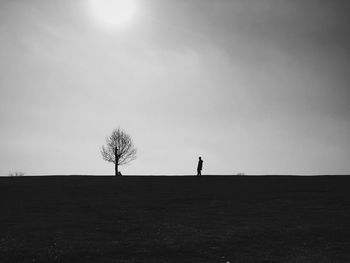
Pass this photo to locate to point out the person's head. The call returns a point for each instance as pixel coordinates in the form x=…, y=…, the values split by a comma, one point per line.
x=200, y=158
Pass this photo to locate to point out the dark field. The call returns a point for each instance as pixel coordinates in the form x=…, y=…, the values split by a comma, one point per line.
x=175, y=219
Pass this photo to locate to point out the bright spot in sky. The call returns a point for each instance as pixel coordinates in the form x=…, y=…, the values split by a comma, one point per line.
x=113, y=13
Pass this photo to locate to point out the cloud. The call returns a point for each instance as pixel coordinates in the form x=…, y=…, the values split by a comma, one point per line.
x=258, y=86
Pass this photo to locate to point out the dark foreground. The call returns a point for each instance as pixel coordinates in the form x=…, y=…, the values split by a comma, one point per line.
x=175, y=219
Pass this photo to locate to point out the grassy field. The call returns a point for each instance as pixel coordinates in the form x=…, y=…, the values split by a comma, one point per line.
x=175, y=219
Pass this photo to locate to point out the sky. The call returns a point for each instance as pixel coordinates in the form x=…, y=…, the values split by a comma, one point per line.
x=252, y=86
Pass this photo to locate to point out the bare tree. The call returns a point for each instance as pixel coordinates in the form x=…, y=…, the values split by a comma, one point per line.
x=119, y=149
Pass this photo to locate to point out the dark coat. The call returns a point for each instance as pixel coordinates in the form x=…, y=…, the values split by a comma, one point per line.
x=200, y=165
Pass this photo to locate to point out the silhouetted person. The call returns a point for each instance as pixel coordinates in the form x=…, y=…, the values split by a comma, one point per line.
x=199, y=166
x=119, y=173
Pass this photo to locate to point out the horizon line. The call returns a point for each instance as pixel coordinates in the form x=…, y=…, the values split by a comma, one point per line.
x=169, y=175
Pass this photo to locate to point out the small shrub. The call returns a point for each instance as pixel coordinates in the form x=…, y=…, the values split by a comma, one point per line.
x=240, y=174
x=15, y=174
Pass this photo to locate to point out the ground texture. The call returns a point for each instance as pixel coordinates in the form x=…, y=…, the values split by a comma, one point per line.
x=175, y=219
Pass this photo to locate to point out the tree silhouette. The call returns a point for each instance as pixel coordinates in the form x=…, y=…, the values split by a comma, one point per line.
x=119, y=149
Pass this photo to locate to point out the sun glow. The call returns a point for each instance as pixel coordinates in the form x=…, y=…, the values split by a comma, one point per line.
x=113, y=13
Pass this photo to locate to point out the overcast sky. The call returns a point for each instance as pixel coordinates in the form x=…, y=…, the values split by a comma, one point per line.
x=253, y=86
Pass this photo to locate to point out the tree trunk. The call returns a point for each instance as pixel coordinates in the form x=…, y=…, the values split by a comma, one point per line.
x=116, y=161
x=116, y=168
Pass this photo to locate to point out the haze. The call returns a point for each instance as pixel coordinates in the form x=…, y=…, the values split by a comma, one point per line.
x=257, y=86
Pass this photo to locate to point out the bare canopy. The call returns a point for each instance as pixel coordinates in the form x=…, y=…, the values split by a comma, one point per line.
x=119, y=149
